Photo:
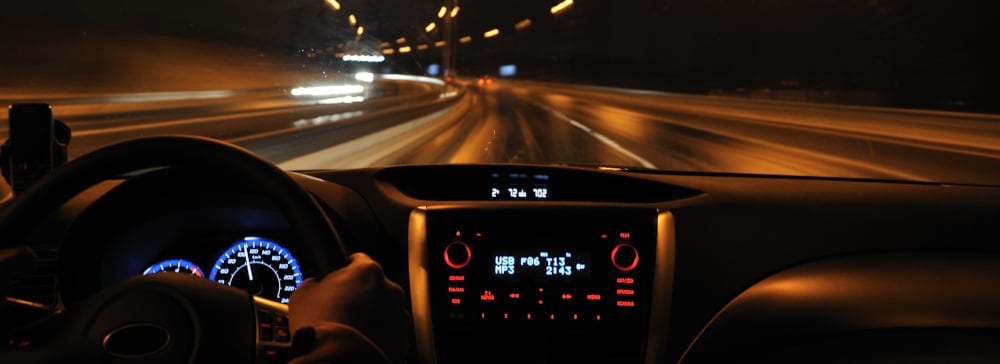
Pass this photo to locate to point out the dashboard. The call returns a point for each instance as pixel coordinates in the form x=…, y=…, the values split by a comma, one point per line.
x=561, y=264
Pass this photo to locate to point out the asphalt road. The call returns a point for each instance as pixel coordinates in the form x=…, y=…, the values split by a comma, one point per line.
x=406, y=122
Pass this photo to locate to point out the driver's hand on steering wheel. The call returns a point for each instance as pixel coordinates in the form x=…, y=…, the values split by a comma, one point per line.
x=354, y=314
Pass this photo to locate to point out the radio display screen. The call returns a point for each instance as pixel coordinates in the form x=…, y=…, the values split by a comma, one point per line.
x=542, y=263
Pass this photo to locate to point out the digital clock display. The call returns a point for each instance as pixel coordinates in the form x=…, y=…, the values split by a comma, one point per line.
x=547, y=263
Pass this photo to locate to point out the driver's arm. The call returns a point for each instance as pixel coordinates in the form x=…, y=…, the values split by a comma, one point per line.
x=354, y=314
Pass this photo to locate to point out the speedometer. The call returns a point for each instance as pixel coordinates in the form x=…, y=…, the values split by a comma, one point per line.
x=259, y=266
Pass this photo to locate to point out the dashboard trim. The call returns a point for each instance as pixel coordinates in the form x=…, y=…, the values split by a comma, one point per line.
x=420, y=299
x=663, y=283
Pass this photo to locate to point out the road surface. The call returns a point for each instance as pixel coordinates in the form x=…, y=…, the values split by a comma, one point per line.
x=402, y=121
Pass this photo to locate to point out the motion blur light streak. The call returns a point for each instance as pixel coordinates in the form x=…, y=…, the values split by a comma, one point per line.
x=523, y=24
x=361, y=30
x=430, y=27
x=388, y=51
x=363, y=58
x=351, y=19
x=422, y=47
x=444, y=10
x=170, y=96
x=465, y=39
x=400, y=40
x=411, y=78
x=491, y=33
x=342, y=100
x=364, y=76
x=320, y=120
x=405, y=49
x=561, y=6
x=454, y=11
x=334, y=4
x=440, y=43
x=328, y=90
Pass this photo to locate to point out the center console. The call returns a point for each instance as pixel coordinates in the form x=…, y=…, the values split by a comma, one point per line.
x=539, y=285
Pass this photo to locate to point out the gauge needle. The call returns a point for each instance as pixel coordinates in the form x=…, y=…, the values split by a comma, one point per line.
x=246, y=254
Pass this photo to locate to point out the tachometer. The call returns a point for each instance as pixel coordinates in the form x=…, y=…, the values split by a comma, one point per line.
x=176, y=266
x=259, y=266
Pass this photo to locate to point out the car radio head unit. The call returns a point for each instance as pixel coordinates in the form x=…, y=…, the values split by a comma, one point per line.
x=521, y=283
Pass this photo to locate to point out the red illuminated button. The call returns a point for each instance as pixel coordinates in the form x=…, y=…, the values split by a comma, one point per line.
x=457, y=255
x=624, y=257
x=487, y=296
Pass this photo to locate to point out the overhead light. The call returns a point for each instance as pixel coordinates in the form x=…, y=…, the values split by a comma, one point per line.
x=388, y=51
x=521, y=25
x=422, y=47
x=440, y=43
x=444, y=10
x=491, y=33
x=465, y=39
x=334, y=4
x=405, y=49
x=430, y=27
x=400, y=40
x=384, y=45
x=454, y=11
x=361, y=30
x=352, y=19
x=561, y=6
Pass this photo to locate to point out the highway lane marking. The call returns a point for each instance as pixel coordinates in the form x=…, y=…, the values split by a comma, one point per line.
x=600, y=137
x=347, y=152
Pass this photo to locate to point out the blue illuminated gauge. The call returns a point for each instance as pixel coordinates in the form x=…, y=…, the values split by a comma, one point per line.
x=176, y=266
x=259, y=266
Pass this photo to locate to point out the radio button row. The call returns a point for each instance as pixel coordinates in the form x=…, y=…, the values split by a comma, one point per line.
x=535, y=316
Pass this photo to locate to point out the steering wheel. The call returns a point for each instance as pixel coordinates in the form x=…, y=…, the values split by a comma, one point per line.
x=167, y=318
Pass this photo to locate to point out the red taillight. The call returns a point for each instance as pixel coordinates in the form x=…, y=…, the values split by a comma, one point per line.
x=481, y=82
x=489, y=81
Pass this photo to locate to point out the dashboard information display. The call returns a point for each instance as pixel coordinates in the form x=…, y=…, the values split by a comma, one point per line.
x=519, y=186
x=542, y=263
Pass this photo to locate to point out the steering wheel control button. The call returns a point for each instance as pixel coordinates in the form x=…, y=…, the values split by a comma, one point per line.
x=624, y=257
x=457, y=255
x=136, y=341
x=281, y=330
x=265, y=324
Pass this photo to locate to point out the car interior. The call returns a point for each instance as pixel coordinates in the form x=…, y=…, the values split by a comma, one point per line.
x=504, y=262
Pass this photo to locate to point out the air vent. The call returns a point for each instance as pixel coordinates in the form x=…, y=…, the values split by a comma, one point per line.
x=39, y=286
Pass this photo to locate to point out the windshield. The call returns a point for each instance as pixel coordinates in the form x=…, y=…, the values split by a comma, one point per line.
x=873, y=89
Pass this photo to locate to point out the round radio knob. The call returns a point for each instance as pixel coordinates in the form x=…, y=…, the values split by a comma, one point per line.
x=457, y=255
x=624, y=257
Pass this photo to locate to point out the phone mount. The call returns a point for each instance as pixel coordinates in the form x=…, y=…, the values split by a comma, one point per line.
x=35, y=145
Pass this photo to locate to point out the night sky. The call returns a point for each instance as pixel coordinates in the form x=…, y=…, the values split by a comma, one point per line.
x=924, y=54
